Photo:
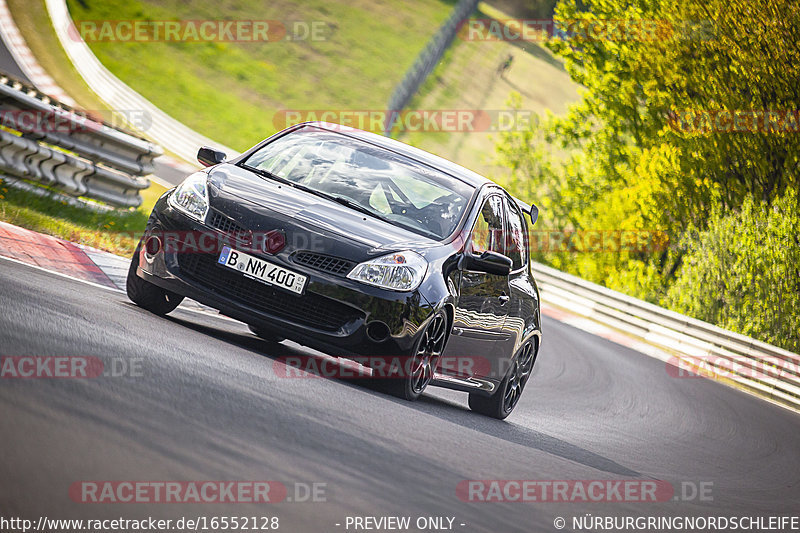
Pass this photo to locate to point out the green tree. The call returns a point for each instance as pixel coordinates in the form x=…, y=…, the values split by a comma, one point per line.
x=643, y=150
x=743, y=272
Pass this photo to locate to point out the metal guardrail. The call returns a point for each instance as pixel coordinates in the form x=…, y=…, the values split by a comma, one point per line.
x=426, y=61
x=163, y=129
x=48, y=142
x=698, y=346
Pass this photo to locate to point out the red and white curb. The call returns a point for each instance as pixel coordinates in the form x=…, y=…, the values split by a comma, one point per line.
x=50, y=253
x=71, y=260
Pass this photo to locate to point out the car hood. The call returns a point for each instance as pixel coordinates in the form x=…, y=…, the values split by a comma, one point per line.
x=261, y=204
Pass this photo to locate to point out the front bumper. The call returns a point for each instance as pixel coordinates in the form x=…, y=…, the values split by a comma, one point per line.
x=334, y=315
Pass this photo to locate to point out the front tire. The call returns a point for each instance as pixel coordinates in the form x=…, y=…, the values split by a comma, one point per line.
x=146, y=295
x=500, y=404
x=418, y=374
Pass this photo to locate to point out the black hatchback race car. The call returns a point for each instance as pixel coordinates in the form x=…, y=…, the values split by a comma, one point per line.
x=359, y=246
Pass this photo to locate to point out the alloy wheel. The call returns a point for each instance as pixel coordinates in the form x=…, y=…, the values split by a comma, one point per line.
x=520, y=372
x=428, y=352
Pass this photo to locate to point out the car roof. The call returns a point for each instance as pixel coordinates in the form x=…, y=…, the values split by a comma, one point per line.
x=457, y=171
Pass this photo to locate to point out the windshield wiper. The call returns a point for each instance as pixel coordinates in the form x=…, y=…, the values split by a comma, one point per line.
x=268, y=174
x=358, y=207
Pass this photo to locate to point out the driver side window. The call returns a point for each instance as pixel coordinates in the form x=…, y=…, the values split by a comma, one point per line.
x=516, y=236
x=487, y=235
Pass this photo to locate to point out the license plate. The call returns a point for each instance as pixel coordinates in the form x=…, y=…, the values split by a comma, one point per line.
x=256, y=268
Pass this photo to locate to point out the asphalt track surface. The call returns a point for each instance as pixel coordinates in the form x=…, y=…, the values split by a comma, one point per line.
x=209, y=405
x=8, y=64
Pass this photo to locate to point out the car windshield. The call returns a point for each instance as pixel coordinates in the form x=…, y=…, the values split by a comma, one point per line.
x=367, y=178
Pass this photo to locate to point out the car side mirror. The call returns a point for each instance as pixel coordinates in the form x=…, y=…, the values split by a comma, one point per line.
x=534, y=214
x=208, y=156
x=488, y=262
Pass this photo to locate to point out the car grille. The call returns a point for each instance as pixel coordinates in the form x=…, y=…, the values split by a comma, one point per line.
x=310, y=309
x=224, y=224
x=324, y=263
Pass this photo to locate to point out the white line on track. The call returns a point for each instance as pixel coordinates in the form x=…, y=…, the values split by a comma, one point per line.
x=110, y=289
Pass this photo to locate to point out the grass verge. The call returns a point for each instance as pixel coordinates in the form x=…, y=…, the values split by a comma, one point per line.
x=467, y=79
x=233, y=92
x=113, y=231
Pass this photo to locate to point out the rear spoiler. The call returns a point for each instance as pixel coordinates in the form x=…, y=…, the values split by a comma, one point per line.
x=530, y=209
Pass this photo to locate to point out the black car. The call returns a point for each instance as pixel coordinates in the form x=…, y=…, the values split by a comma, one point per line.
x=359, y=246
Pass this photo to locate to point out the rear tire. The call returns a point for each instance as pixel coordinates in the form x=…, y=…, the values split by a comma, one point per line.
x=146, y=295
x=502, y=403
x=418, y=373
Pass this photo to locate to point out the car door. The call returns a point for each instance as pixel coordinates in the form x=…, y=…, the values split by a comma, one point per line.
x=480, y=314
x=522, y=306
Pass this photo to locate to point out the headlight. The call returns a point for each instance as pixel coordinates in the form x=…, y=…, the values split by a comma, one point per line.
x=401, y=271
x=191, y=196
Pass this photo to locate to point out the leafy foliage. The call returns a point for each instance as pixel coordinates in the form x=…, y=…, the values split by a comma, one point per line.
x=645, y=148
x=743, y=272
